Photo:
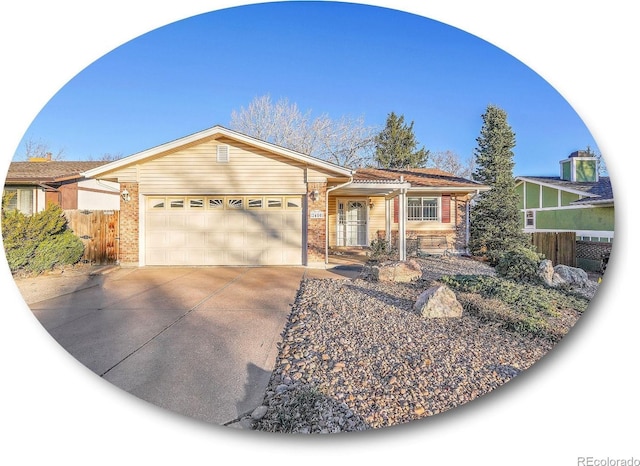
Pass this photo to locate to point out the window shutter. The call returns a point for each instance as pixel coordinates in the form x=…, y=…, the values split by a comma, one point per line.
x=446, y=208
x=396, y=209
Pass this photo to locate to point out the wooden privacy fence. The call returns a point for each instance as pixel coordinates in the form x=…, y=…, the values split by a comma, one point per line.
x=98, y=230
x=560, y=248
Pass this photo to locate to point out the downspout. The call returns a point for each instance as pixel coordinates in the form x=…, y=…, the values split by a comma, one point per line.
x=326, y=216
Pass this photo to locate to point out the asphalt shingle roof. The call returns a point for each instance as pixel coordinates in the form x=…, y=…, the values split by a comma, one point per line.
x=418, y=177
x=47, y=172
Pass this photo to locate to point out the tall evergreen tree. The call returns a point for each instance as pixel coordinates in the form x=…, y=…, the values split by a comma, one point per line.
x=396, y=145
x=495, y=216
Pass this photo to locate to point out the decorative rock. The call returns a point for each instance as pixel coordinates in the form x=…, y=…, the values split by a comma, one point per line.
x=545, y=272
x=401, y=272
x=259, y=412
x=438, y=301
x=394, y=364
x=572, y=275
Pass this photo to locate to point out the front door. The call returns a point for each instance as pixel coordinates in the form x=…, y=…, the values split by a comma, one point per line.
x=352, y=223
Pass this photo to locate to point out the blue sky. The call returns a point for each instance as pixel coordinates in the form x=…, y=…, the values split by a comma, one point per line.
x=329, y=58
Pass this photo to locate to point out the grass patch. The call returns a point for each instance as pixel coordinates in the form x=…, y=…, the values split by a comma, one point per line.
x=525, y=308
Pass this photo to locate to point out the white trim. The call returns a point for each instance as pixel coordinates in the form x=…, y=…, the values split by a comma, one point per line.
x=564, y=207
x=438, y=199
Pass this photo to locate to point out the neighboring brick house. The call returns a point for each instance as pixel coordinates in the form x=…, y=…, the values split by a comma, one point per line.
x=39, y=182
x=218, y=197
x=579, y=200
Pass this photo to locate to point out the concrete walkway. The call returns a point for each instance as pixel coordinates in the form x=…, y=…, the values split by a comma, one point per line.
x=197, y=341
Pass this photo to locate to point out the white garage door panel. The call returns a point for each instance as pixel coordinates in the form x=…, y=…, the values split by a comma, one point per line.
x=221, y=236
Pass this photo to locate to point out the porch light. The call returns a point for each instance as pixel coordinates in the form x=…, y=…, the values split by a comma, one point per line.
x=314, y=195
x=371, y=204
x=126, y=197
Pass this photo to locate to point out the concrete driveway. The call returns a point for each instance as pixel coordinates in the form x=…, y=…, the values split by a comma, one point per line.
x=198, y=341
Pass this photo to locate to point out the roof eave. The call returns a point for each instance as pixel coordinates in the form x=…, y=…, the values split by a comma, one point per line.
x=550, y=184
x=211, y=132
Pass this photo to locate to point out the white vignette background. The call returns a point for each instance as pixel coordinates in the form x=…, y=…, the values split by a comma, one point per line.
x=580, y=400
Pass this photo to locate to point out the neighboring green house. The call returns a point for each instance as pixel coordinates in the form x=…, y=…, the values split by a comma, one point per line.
x=579, y=200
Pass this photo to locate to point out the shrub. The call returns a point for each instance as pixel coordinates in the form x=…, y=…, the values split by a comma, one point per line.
x=524, y=308
x=520, y=265
x=38, y=242
x=61, y=249
x=381, y=250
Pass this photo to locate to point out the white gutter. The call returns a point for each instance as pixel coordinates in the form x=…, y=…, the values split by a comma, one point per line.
x=326, y=216
x=106, y=186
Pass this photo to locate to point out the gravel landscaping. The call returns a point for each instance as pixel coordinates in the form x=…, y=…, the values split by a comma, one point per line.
x=356, y=356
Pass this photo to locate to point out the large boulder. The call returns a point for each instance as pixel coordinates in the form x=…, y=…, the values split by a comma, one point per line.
x=438, y=301
x=545, y=272
x=573, y=276
x=562, y=276
x=399, y=271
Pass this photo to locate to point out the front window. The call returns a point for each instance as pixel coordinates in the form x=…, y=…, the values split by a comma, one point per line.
x=422, y=208
x=21, y=199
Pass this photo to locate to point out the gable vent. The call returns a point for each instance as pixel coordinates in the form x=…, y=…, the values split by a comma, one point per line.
x=222, y=154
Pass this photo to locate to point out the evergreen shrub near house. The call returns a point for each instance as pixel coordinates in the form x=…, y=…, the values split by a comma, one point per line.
x=39, y=242
x=519, y=264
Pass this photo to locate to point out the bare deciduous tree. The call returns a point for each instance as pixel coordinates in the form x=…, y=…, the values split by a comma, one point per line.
x=451, y=162
x=347, y=142
x=40, y=149
x=106, y=157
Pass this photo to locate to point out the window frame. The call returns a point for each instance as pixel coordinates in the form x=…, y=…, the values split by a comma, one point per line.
x=532, y=214
x=421, y=207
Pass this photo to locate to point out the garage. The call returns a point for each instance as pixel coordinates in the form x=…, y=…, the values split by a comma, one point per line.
x=223, y=230
x=218, y=197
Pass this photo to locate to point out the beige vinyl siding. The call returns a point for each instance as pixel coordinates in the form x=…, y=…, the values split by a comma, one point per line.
x=124, y=175
x=195, y=170
x=377, y=217
x=315, y=176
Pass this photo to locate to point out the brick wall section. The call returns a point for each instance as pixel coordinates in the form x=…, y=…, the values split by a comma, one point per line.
x=316, y=227
x=129, y=225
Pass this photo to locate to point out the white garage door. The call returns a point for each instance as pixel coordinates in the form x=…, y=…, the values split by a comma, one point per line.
x=223, y=230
